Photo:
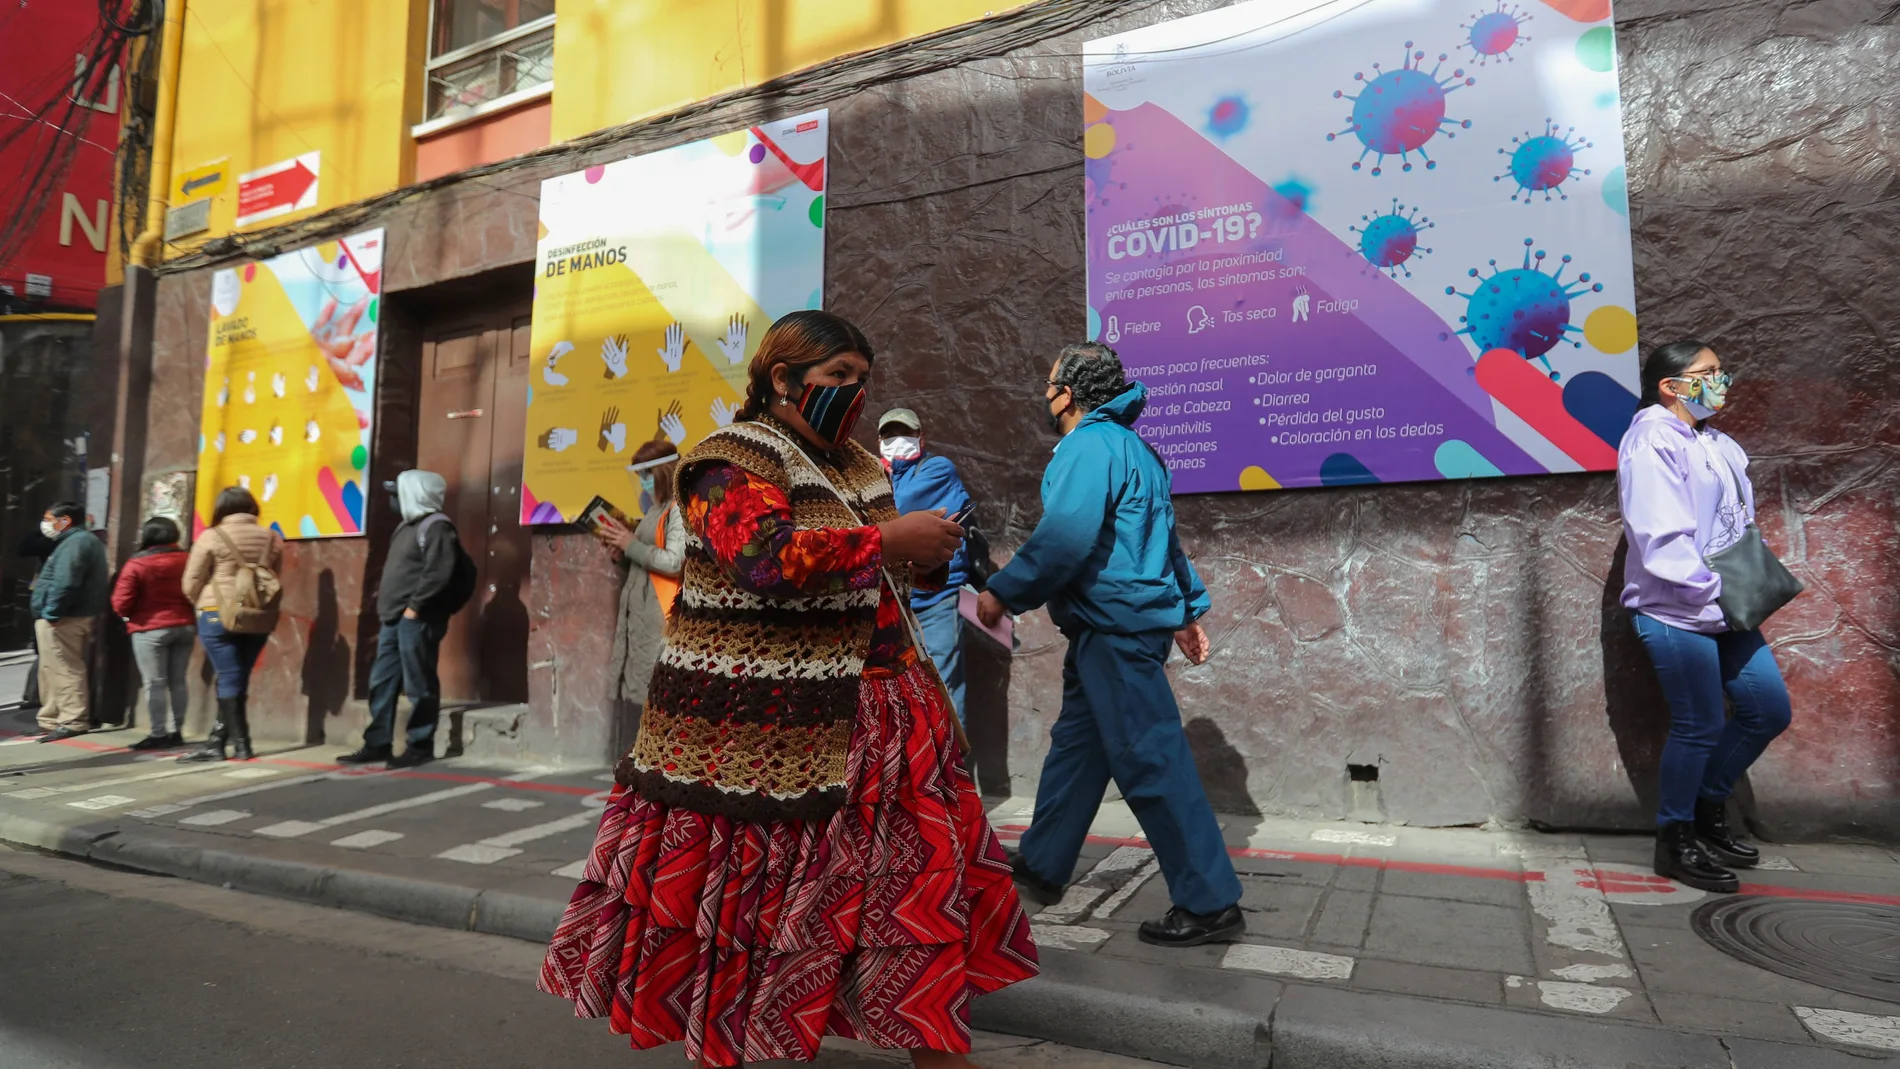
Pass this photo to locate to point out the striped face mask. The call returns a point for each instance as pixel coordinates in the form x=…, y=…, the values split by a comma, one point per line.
x=832, y=411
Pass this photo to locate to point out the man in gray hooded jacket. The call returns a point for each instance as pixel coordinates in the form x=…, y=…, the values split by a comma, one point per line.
x=417, y=596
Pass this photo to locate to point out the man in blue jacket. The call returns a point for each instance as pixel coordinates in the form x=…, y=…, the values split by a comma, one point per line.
x=922, y=482
x=73, y=588
x=1106, y=561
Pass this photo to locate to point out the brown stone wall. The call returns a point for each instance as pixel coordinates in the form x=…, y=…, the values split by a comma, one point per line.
x=1462, y=637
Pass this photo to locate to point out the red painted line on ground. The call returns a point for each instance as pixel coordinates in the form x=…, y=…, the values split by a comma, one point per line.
x=1013, y=831
x=323, y=766
x=1854, y=897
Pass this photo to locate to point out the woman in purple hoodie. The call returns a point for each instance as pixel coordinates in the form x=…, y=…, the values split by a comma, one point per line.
x=1685, y=494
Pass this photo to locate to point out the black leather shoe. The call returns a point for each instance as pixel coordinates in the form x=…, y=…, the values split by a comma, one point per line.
x=1183, y=929
x=61, y=733
x=240, y=729
x=1031, y=886
x=1680, y=858
x=1711, y=828
x=154, y=742
x=368, y=755
x=213, y=749
x=413, y=756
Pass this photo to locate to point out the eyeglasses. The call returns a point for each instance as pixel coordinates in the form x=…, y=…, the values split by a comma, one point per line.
x=1717, y=377
x=1057, y=385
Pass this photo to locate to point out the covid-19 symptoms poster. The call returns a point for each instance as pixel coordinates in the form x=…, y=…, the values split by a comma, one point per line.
x=1365, y=241
x=654, y=279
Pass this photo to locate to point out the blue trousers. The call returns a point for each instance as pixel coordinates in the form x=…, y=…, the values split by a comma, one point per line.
x=1707, y=750
x=232, y=656
x=942, y=626
x=1119, y=722
x=405, y=664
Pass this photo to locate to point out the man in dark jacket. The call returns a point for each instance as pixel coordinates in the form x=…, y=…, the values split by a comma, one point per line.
x=73, y=588
x=414, y=603
x=921, y=482
x=1106, y=561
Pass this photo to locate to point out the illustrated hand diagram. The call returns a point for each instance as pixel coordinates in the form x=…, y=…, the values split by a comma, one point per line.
x=311, y=379
x=613, y=353
x=244, y=481
x=548, y=374
x=219, y=441
x=311, y=432
x=559, y=439
x=246, y=437
x=276, y=433
x=277, y=384
x=673, y=423
x=224, y=394
x=345, y=347
x=613, y=433
x=674, y=350
x=250, y=388
x=270, y=486
x=733, y=344
x=723, y=411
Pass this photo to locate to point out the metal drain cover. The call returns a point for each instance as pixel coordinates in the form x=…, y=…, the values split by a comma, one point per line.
x=1844, y=946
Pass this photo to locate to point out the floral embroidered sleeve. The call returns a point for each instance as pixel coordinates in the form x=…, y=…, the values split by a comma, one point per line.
x=747, y=523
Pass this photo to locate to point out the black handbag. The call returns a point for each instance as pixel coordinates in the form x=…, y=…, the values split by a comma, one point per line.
x=1754, y=581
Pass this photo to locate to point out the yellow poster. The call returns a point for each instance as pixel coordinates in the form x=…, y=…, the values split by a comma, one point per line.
x=655, y=278
x=290, y=381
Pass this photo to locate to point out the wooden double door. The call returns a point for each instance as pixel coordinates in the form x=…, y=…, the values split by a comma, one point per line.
x=472, y=419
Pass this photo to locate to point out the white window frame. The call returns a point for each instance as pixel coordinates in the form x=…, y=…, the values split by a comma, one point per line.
x=487, y=44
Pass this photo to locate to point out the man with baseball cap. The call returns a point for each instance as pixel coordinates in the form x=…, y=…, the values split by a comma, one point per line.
x=922, y=482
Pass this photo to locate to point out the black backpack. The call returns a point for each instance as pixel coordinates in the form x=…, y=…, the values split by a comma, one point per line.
x=462, y=580
x=977, y=546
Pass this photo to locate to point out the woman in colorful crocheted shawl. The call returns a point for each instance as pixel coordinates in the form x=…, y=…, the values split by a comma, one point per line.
x=793, y=847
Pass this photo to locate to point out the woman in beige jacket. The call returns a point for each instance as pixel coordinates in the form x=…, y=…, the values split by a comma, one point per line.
x=235, y=537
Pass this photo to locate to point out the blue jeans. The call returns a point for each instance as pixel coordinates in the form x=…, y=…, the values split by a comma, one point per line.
x=232, y=655
x=942, y=626
x=1119, y=721
x=1708, y=751
x=405, y=663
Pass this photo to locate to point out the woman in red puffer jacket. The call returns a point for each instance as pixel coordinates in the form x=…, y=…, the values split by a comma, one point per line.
x=150, y=596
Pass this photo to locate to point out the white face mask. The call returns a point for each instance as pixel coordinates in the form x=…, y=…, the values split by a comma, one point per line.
x=901, y=448
x=48, y=529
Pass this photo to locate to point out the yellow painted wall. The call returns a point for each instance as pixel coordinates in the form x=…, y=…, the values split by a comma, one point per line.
x=263, y=81
x=620, y=60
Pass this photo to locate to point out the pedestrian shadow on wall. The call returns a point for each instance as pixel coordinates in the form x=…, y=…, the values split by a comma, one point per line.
x=986, y=672
x=504, y=643
x=1638, y=714
x=326, y=662
x=1224, y=777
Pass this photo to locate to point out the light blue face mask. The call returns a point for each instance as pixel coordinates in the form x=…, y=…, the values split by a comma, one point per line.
x=646, y=485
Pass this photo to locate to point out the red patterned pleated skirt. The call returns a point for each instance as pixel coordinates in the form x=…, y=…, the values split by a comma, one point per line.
x=751, y=941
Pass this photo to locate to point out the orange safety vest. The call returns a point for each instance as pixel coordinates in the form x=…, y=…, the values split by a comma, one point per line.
x=666, y=586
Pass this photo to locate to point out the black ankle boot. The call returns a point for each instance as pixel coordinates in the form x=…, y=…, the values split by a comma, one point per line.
x=1183, y=929
x=240, y=729
x=1680, y=858
x=213, y=749
x=1711, y=827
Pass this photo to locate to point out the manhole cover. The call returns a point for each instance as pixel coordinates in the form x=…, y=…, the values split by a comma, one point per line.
x=1845, y=946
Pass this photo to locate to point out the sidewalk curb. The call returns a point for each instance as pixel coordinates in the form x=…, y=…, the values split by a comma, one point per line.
x=428, y=902
x=1178, y=1016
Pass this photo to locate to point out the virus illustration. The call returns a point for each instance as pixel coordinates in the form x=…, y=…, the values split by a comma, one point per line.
x=1389, y=240
x=1523, y=309
x=1494, y=33
x=1227, y=117
x=1399, y=111
x=1542, y=163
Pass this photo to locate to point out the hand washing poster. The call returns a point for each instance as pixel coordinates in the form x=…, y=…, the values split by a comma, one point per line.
x=290, y=384
x=1365, y=241
x=655, y=277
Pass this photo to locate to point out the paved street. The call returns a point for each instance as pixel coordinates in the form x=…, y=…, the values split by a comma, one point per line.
x=113, y=970
x=1550, y=937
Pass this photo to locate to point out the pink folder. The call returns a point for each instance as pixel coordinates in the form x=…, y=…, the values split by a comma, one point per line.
x=1003, y=634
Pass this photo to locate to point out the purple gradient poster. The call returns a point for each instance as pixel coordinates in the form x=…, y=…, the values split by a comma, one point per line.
x=1365, y=241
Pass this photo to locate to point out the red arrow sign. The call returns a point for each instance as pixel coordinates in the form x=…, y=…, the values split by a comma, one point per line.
x=277, y=190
